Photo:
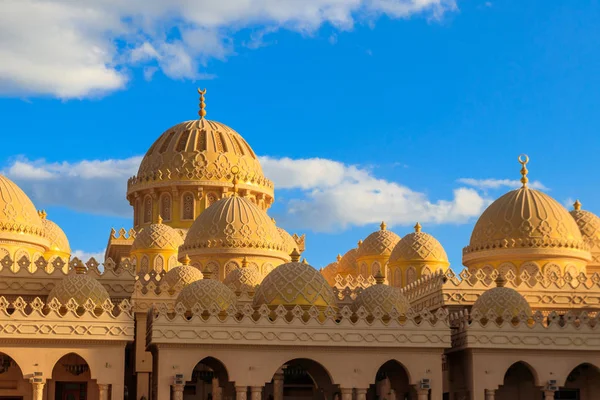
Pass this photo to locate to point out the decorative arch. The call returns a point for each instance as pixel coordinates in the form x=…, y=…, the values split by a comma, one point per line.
x=75, y=359
x=375, y=267
x=147, y=209
x=159, y=263
x=391, y=375
x=187, y=206
x=532, y=269
x=362, y=270
x=426, y=271
x=166, y=206
x=137, y=212
x=552, y=270
x=172, y=262
x=571, y=367
x=211, y=198
x=144, y=264
x=397, y=277
x=266, y=268
x=505, y=268
x=230, y=267
x=411, y=275
x=521, y=378
x=487, y=271
x=319, y=374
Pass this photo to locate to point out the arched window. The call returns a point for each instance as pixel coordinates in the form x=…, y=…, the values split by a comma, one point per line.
x=375, y=268
x=211, y=198
x=144, y=264
x=363, y=270
x=411, y=275
x=165, y=206
x=147, y=209
x=159, y=263
x=137, y=212
x=172, y=262
x=187, y=206
x=397, y=277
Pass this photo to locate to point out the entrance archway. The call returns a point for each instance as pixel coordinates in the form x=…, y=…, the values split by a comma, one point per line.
x=583, y=383
x=210, y=381
x=13, y=386
x=391, y=383
x=72, y=379
x=519, y=384
x=301, y=379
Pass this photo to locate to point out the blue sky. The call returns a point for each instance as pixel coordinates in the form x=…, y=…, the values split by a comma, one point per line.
x=392, y=104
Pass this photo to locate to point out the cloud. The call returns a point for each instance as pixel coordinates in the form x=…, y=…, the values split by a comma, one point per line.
x=75, y=49
x=85, y=255
x=484, y=184
x=316, y=194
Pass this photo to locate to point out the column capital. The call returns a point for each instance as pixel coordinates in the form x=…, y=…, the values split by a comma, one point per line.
x=177, y=389
x=103, y=389
x=38, y=390
x=360, y=390
x=346, y=390
x=549, y=394
x=490, y=394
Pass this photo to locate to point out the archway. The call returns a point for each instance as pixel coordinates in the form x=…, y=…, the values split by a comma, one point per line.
x=583, y=383
x=209, y=381
x=72, y=379
x=12, y=383
x=519, y=384
x=391, y=383
x=301, y=379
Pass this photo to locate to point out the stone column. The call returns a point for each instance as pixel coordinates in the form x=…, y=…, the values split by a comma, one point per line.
x=256, y=392
x=177, y=391
x=361, y=394
x=216, y=389
x=38, y=390
x=103, y=389
x=490, y=394
x=422, y=394
x=278, y=385
x=548, y=394
x=241, y=392
x=346, y=394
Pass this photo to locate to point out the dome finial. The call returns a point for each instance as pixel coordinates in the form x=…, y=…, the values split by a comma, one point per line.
x=360, y=242
x=339, y=257
x=235, y=170
x=42, y=214
x=577, y=205
x=417, y=227
x=80, y=268
x=186, y=260
x=202, y=111
x=383, y=226
x=304, y=261
x=379, y=278
x=500, y=281
x=244, y=262
x=207, y=273
x=523, y=160
x=159, y=220
x=294, y=255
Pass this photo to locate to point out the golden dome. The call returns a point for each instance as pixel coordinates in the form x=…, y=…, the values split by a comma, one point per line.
x=207, y=293
x=379, y=243
x=58, y=242
x=246, y=278
x=79, y=287
x=288, y=241
x=157, y=236
x=19, y=220
x=383, y=296
x=501, y=299
x=330, y=271
x=182, y=275
x=293, y=284
x=234, y=224
x=347, y=264
x=418, y=247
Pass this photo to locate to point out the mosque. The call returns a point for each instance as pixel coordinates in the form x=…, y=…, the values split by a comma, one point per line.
x=206, y=298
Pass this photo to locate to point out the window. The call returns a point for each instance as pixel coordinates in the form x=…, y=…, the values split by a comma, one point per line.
x=148, y=209
x=165, y=206
x=187, y=206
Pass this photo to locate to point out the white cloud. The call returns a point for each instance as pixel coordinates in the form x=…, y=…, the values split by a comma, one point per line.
x=85, y=255
x=73, y=49
x=499, y=183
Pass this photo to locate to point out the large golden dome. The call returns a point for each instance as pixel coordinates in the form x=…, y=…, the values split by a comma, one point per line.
x=379, y=243
x=20, y=223
x=207, y=293
x=58, y=243
x=419, y=247
x=79, y=287
x=157, y=236
x=236, y=225
x=295, y=284
x=383, y=296
x=589, y=226
x=500, y=300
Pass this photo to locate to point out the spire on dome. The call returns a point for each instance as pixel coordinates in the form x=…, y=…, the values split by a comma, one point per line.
x=202, y=111
x=42, y=214
x=244, y=262
x=500, y=281
x=207, y=273
x=417, y=227
x=186, y=260
x=295, y=256
x=360, y=242
x=304, y=261
x=523, y=160
x=383, y=226
x=577, y=205
x=159, y=220
x=339, y=257
x=379, y=278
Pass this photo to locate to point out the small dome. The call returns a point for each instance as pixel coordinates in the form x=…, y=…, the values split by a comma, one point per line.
x=293, y=284
x=246, y=278
x=379, y=243
x=236, y=223
x=589, y=226
x=501, y=299
x=19, y=220
x=79, y=287
x=288, y=241
x=331, y=271
x=347, y=264
x=58, y=242
x=420, y=247
x=157, y=237
x=207, y=293
x=383, y=296
x=182, y=275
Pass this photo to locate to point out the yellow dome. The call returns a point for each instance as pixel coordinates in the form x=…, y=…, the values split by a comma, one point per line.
x=207, y=293
x=19, y=220
x=383, y=296
x=331, y=271
x=379, y=243
x=157, y=237
x=234, y=224
x=246, y=278
x=418, y=247
x=79, y=287
x=58, y=242
x=589, y=226
x=182, y=275
x=347, y=264
x=293, y=284
x=501, y=299
x=288, y=241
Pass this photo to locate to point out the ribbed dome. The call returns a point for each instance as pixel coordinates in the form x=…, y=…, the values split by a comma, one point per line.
x=157, y=237
x=589, y=226
x=246, y=278
x=58, y=242
x=79, y=287
x=19, y=220
x=288, y=241
x=522, y=220
x=501, y=299
x=379, y=243
x=418, y=246
x=201, y=151
x=293, y=284
x=207, y=293
x=383, y=296
x=347, y=264
x=234, y=223
x=182, y=275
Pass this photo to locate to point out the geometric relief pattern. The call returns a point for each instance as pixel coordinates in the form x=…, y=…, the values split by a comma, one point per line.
x=288, y=241
x=157, y=236
x=17, y=212
x=207, y=293
x=243, y=279
x=385, y=297
x=293, y=284
x=57, y=238
x=419, y=246
x=79, y=287
x=182, y=275
x=500, y=300
x=381, y=242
